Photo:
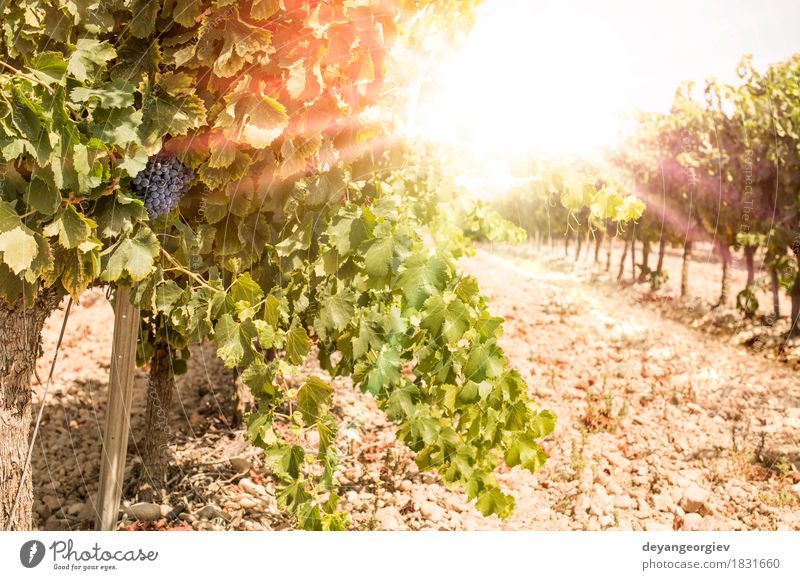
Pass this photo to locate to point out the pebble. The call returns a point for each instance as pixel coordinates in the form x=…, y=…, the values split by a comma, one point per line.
x=405, y=485
x=692, y=521
x=662, y=502
x=148, y=512
x=88, y=513
x=694, y=498
x=251, y=487
x=52, y=502
x=618, y=460
x=248, y=502
x=431, y=511
x=624, y=502
x=241, y=465
x=656, y=526
x=210, y=512
x=75, y=508
x=389, y=518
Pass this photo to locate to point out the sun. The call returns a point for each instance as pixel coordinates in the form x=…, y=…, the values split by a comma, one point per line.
x=558, y=78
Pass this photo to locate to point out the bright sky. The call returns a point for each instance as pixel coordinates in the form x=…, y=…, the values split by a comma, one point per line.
x=554, y=76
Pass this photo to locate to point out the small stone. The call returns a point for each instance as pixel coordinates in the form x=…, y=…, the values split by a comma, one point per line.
x=52, y=502
x=655, y=526
x=624, y=502
x=52, y=486
x=210, y=511
x=618, y=460
x=662, y=502
x=389, y=518
x=694, y=498
x=431, y=511
x=148, y=512
x=405, y=485
x=252, y=487
x=241, y=465
x=354, y=473
x=88, y=513
x=248, y=502
x=606, y=521
x=692, y=521
x=43, y=510
x=75, y=508
x=582, y=504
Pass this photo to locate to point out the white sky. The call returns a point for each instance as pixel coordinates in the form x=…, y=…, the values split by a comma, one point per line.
x=554, y=76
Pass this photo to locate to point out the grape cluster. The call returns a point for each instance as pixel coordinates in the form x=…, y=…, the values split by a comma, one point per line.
x=161, y=183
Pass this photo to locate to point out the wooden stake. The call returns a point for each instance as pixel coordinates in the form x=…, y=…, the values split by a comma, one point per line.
x=120, y=394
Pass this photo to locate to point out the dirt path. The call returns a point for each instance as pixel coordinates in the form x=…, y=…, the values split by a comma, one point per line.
x=660, y=427
x=651, y=413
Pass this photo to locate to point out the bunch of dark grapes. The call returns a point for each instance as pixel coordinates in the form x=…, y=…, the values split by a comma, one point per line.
x=162, y=183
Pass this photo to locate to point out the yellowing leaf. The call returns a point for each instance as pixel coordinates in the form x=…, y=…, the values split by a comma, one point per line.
x=19, y=248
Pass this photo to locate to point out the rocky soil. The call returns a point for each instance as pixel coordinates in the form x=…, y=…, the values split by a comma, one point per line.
x=661, y=426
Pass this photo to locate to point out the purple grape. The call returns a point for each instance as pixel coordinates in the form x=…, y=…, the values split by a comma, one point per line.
x=162, y=183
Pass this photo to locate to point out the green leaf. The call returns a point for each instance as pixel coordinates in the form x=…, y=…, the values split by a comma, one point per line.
x=272, y=311
x=164, y=114
x=384, y=372
x=543, y=423
x=286, y=459
x=132, y=256
x=378, y=258
x=234, y=341
x=338, y=310
x=89, y=56
x=493, y=501
x=71, y=227
x=115, y=95
x=421, y=277
x=245, y=291
x=144, y=14
x=525, y=451
x=312, y=397
x=258, y=378
x=167, y=294
x=49, y=67
x=43, y=195
x=297, y=344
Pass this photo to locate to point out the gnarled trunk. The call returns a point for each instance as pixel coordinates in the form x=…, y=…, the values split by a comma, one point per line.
x=609, y=247
x=598, y=241
x=687, y=257
x=580, y=245
x=622, y=261
x=633, y=259
x=794, y=293
x=776, y=297
x=725, y=291
x=749, y=258
x=645, y=261
x=156, y=454
x=662, y=249
x=566, y=243
x=20, y=346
